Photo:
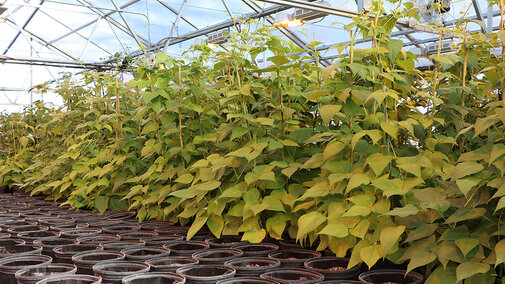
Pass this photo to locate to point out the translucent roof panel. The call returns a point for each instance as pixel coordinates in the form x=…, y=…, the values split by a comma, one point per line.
x=64, y=34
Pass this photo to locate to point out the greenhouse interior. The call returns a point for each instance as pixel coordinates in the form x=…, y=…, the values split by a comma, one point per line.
x=252, y=141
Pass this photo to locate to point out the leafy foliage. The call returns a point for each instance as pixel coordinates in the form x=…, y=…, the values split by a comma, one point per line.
x=369, y=156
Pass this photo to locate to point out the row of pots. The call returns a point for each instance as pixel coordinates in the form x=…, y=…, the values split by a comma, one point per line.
x=87, y=239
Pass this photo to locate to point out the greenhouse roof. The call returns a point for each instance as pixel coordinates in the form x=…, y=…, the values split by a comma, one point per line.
x=41, y=39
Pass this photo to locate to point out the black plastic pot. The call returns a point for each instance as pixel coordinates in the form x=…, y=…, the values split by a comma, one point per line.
x=247, y=280
x=13, y=223
x=68, y=226
x=224, y=241
x=101, y=223
x=252, y=266
x=145, y=253
x=32, y=275
x=159, y=241
x=26, y=228
x=171, y=264
x=294, y=257
x=11, y=242
x=341, y=282
x=119, y=245
x=72, y=279
x=49, y=244
x=333, y=268
x=209, y=273
x=115, y=271
x=257, y=250
x=54, y=221
x=9, y=265
x=172, y=231
x=5, y=235
x=85, y=260
x=98, y=239
x=217, y=256
x=120, y=215
x=390, y=276
x=30, y=237
x=64, y=253
x=137, y=235
x=155, y=278
x=119, y=229
x=153, y=225
x=293, y=275
x=80, y=232
x=20, y=250
x=186, y=247
x=289, y=244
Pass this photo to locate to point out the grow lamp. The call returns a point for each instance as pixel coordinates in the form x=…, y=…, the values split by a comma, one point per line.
x=286, y=20
x=216, y=38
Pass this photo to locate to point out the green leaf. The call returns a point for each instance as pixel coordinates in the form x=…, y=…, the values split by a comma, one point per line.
x=308, y=223
x=390, y=187
x=357, y=180
x=422, y=231
x=465, y=185
x=470, y=268
x=279, y=60
x=328, y=111
x=465, y=213
x=254, y=236
x=466, y=244
x=421, y=259
x=216, y=225
x=101, y=203
x=499, y=249
x=501, y=36
x=361, y=229
x=333, y=149
x=185, y=178
x=443, y=276
x=206, y=186
x=335, y=229
x=378, y=162
x=497, y=152
x=370, y=255
x=374, y=134
x=391, y=128
x=405, y=211
x=466, y=168
x=238, y=132
x=482, y=124
x=196, y=226
x=389, y=237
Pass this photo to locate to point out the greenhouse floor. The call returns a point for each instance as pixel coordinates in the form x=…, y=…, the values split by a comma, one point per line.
x=45, y=242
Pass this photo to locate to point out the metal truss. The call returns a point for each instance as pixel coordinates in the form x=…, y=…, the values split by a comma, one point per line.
x=120, y=26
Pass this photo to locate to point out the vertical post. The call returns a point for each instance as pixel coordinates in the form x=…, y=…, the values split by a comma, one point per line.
x=490, y=22
x=31, y=72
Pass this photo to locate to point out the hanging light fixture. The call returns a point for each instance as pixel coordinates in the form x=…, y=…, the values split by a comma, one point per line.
x=218, y=37
x=2, y=10
x=286, y=20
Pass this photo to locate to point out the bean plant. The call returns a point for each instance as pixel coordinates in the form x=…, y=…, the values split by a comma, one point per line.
x=374, y=156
